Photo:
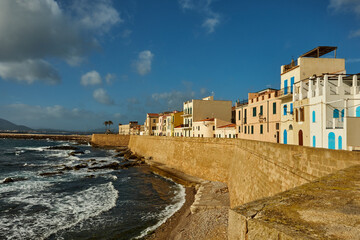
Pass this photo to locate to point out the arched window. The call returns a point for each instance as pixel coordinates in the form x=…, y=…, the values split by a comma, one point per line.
x=331, y=140
x=314, y=141
x=339, y=142
x=358, y=112
x=336, y=113
x=285, y=110
x=285, y=137
x=290, y=127
x=313, y=116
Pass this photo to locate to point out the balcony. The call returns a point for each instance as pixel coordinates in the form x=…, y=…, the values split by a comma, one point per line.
x=285, y=92
x=186, y=126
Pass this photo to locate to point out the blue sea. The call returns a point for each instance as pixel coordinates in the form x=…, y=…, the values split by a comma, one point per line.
x=78, y=204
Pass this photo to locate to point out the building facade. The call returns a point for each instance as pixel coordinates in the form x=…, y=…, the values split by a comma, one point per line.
x=198, y=109
x=259, y=118
x=307, y=65
x=150, y=123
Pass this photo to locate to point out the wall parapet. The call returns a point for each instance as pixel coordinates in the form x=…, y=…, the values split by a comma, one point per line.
x=110, y=140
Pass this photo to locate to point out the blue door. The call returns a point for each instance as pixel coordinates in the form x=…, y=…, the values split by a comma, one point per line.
x=291, y=84
x=340, y=142
x=331, y=140
x=358, y=112
x=314, y=141
x=285, y=137
x=285, y=87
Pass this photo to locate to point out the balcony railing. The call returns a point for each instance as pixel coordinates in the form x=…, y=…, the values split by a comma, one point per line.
x=287, y=91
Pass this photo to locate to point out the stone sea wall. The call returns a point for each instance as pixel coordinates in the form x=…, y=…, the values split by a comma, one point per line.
x=252, y=169
x=110, y=140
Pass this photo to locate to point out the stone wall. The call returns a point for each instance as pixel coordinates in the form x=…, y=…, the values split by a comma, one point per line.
x=110, y=140
x=252, y=169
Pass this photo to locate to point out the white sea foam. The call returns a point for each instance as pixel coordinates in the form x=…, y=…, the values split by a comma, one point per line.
x=168, y=211
x=87, y=151
x=63, y=211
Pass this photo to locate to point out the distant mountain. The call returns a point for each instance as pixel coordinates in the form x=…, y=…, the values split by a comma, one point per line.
x=6, y=125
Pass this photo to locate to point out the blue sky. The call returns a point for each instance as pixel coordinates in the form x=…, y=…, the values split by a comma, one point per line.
x=74, y=64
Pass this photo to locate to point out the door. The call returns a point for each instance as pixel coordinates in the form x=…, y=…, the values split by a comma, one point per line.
x=277, y=137
x=285, y=137
x=300, y=138
x=331, y=140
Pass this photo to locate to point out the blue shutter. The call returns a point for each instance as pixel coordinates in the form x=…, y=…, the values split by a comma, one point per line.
x=340, y=142
x=291, y=108
x=336, y=113
x=313, y=117
x=285, y=87
x=314, y=141
x=285, y=137
x=331, y=140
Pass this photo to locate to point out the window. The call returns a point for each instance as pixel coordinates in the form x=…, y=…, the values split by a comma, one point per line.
x=274, y=108
x=245, y=130
x=245, y=116
x=292, y=84
x=277, y=126
x=331, y=140
x=261, y=110
x=154, y=120
x=239, y=130
x=239, y=115
x=342, y=114
x=291, y=108
x=229, y=135
x=248, y=129
x=285, y=137
x=285, y=110
x=190, y=110
x=261, y=129
x=254, y=111
x=285, y=87
x=302, y=114
x=336, y=113
x=313, y=117
x=252, y=129
x=214, y=128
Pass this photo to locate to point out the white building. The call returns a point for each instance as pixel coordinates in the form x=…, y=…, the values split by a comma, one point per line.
x=333, y=110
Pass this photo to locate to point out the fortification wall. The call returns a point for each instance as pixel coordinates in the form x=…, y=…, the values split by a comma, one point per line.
x=110, y=140
x=252, y=169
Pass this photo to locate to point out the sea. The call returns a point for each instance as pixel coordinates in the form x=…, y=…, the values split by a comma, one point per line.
x=78, y=204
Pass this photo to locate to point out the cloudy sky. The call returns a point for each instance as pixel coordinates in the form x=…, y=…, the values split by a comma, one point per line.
x=74, y=64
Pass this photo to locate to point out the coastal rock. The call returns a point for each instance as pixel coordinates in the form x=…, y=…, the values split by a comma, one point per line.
x=76, y=153
x=8, y=180
x=47, y=174
x=121, y=154
x=79, y=166
x=62, y=148
x=66, y=168
x=113, y=165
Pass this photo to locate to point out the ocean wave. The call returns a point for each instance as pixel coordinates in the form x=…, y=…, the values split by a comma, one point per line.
x=62, y=211
x=167, y=212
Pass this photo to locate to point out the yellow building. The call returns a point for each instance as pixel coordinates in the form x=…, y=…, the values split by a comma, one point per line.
x=150, y=123
x=307, y=65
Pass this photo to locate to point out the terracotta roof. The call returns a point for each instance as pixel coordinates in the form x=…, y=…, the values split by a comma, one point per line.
x=207, y=119
x=153, y=114
x=180, y=126
x=229, y=125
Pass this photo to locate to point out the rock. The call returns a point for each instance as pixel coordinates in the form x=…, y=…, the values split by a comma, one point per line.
x=66, y=168
x=130, y=164
x=50, y=173
x=94, y=163
x=121, y=149
x=121, y=154
x=8, y=180
x=76, y=153
x=90, y=176
x=113, y=165
x=79, y=166
x=62, y=148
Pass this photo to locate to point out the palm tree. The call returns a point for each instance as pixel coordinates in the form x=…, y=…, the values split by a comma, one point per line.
x=106, y=123
x=110, y=123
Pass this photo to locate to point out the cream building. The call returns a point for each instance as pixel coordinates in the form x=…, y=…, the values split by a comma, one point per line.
x=150, y=123
x=259, y=118
x=332, y=111
x=125, y=129
x=306, y=66
x=205, y=108
x=226, y=131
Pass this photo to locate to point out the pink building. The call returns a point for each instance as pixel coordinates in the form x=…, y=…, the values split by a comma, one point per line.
x=259, y=119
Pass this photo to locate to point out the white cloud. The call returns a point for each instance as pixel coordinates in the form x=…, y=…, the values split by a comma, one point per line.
x=354, y=34
x=345, y=5
x=143, y=64
x=101, y=96
x=91, y=78
x=109, y=78
x=98, y=15
x=34, y=31
x=203, y=7
x=29, y=71
x=211, y=23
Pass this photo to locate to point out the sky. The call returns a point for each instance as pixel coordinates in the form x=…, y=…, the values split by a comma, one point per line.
x=73, y=64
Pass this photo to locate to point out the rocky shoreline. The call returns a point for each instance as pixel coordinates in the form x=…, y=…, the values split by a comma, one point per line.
x=81, y=139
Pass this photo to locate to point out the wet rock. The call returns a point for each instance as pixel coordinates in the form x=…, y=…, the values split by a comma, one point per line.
x=46, y=174
x=79, y=166
x=121, y=154
x=94, y=163
x=113, y=165
x=62, y=148
x=8, y=180
x=66, y=168
x=90, y=176
x=121, y=149
x=76, y=153
x=130, y=164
